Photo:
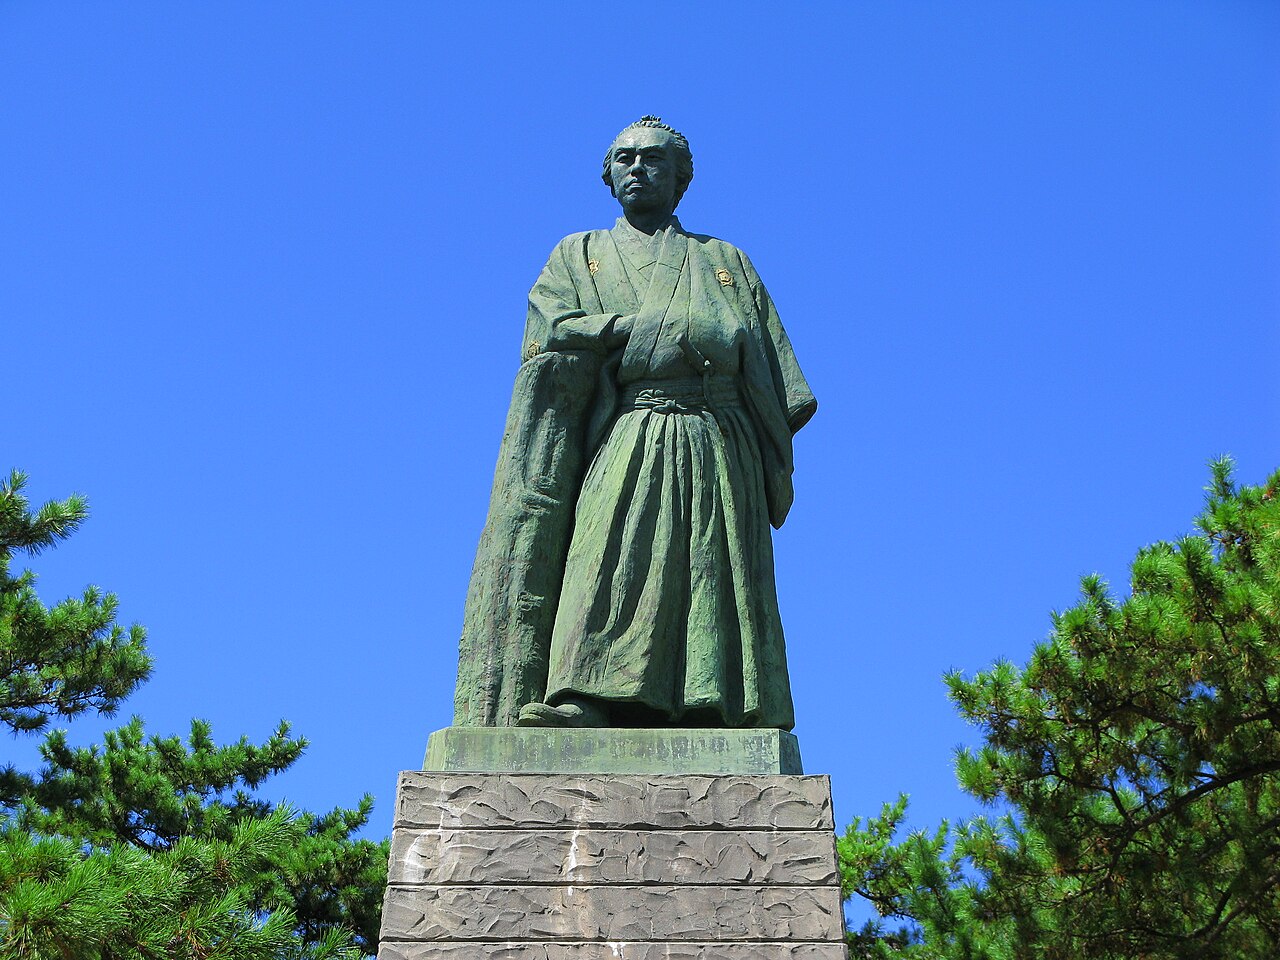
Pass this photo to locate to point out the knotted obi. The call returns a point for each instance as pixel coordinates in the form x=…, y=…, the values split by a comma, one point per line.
x=681, y=396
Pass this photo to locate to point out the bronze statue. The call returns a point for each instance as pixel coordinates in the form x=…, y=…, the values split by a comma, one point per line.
x=625, y=575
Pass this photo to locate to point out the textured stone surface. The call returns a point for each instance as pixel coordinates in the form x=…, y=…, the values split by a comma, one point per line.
x=696, y=857
x=616, y=950
x=612, y=867
x=612, y=750
x=618, y=913
x=621, y=802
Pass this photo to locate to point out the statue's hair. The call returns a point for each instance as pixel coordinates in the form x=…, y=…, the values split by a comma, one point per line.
x=684, y=156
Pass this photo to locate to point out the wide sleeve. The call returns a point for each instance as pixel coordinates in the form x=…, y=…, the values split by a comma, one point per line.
x=516, y=577
x=798, y=400
x=557, y=318
x=519, y=565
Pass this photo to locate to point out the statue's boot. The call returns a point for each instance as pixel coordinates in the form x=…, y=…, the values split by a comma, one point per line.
x=574, y=712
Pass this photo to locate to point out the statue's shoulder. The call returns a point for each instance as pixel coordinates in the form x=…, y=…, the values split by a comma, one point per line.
x=707, y=241
x=722, y=252
x=582, y=239
x=575, y=248
x=714, y=245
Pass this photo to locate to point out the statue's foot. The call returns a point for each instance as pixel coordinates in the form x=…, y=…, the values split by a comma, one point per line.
x=572, y=713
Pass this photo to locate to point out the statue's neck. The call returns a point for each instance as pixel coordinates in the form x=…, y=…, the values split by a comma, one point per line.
x=648, y=221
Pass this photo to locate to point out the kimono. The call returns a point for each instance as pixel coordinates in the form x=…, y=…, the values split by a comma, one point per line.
x=628, y=556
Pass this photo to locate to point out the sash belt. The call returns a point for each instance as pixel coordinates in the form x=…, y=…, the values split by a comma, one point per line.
x=682, y=396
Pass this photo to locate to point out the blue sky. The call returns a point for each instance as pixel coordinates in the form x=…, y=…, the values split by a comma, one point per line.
x=263, y=286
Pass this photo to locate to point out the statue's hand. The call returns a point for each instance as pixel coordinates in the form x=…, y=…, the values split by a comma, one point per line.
x=621, y=330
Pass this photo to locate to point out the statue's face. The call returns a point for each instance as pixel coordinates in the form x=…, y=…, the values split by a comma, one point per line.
x=643, y=170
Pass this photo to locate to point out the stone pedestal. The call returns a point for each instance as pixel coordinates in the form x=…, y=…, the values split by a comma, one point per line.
x=611, y=750
x=616, y=866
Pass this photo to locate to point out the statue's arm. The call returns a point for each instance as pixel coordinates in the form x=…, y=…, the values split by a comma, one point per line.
x=557, y=319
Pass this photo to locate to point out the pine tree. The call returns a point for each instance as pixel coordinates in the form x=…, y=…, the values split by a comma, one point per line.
x=1137, y=757
x=149, y=847
x=64, y=660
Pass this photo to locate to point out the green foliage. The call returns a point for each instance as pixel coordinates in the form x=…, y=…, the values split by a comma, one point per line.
x=1138, y=755
x=145, y=846
x=192, y=900
x=65, y=659
x=148, y=792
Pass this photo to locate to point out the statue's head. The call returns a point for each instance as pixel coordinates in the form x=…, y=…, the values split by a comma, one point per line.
x=668, y=173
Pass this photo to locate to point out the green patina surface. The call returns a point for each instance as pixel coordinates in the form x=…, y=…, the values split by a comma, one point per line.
x=625, y=574
x=612, y=750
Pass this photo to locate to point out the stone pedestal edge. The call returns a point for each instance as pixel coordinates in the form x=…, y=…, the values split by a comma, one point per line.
x=618, y=750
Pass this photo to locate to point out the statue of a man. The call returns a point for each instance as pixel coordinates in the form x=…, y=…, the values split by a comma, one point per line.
x=625, y=577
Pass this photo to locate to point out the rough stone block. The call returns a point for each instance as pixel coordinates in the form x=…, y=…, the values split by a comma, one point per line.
x=612, y=750
x=697, y=857
x=614, y=913
x=612, y=951
x=612, y=867
x=430, y=800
